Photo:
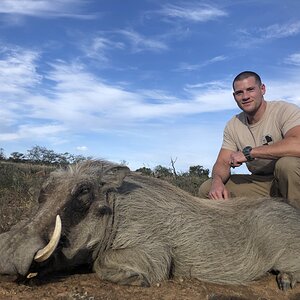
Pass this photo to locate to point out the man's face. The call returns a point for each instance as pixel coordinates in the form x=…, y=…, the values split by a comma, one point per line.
x=249, y=95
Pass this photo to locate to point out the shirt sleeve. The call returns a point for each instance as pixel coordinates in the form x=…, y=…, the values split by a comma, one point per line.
x=228, y=138
x=290, y=117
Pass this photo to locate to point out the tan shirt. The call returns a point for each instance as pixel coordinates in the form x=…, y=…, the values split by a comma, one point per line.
x=278, y=118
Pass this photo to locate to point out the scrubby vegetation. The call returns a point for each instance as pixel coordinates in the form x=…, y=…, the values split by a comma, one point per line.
x=22, y=175
x=42, y=155
x=189, y=181
x=19, y=188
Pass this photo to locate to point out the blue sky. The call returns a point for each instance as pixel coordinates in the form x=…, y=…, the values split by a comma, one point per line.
x=141, y=81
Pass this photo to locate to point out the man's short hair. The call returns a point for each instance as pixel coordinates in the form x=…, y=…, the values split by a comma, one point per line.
x=246, y=74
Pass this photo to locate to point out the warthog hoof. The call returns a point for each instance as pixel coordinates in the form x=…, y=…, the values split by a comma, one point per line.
x=123, y=276
x=285, y=281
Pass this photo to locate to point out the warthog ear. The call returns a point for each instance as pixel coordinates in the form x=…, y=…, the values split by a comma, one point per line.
x=113, y=177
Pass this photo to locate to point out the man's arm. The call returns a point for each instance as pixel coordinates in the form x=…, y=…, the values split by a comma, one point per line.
x=288, y=146
x=220, y=175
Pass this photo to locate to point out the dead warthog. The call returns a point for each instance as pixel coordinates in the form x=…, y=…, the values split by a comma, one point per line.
x=138, y=230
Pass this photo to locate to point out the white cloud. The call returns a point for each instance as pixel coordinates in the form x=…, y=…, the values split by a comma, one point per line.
x=98, y=47
x=18, y=70
x=104, y=106
x=195, y=67
x=101, y=45
x=142, y=43
x=285, y=88
x=293, y=59
x=42, y=8
x=277, y=31
x=41, y=130
x=215, y=85
x=194, y=12
x=78, y=101
x=82, y=148
x=6, y=137
x=257, y=36
x=36, y=131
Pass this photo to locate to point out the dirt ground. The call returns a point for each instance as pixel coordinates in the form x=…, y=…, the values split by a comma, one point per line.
x=88, y=286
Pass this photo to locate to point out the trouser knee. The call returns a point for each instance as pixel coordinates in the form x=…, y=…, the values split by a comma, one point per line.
x=287, y=177
x=204, y=189
x=286, y=166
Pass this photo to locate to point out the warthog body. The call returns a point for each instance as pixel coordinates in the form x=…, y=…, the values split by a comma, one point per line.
x=139, y=230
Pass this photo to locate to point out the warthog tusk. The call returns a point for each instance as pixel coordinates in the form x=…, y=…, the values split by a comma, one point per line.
x=31, y=275
x=47, y=251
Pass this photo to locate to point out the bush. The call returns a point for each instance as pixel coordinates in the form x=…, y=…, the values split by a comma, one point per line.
x=188, y=181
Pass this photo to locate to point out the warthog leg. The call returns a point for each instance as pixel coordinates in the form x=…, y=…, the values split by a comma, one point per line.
x=287, y=281
x=134, y=266
x=123, y=276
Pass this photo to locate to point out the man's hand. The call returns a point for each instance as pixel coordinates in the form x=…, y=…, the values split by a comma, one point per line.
x=237, y=158
x=221, y=173
x=218, y=191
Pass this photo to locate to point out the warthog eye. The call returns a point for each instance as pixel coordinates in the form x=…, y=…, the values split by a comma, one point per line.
x=84, y=190
x=83, y=198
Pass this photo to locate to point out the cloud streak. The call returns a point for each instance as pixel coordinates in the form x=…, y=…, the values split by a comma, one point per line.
x=18, y=70
x=105, y=106
x=278, y=31
x=257, y=36
x=141, y=43
x=76, y=95
x=293, y=59
x=43, y=8
x=196, y=67
x=98, y=47
x=193, y=12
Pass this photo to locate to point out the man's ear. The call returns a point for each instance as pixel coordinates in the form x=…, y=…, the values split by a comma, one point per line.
x=113, y=177
x=263, y=89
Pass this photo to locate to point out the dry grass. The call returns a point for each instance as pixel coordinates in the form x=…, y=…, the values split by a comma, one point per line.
x=19, y=188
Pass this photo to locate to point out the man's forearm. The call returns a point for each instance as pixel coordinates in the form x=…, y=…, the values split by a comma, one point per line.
x=220, y=172
x=286, y=147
